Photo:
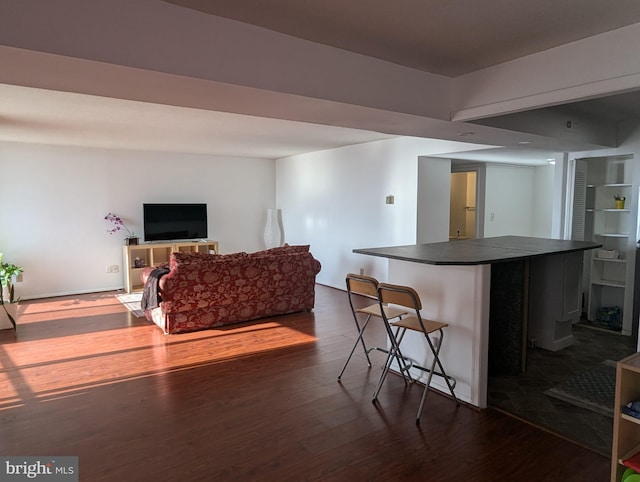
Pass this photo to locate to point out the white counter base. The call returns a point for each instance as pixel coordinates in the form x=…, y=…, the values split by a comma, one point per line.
x=459, y=296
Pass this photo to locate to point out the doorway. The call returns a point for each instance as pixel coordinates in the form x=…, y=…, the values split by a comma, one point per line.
x=462, y=207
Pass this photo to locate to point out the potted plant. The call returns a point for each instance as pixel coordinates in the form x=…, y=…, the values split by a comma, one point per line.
x=8, y=300
x=118, y=224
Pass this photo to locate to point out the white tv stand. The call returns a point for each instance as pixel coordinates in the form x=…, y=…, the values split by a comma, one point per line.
x=153, y=253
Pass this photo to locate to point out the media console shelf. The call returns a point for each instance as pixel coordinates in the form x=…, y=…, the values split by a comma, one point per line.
x=137, y=257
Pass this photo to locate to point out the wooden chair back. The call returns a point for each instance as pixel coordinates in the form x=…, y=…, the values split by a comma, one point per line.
x=399, y=295
x=362, y=285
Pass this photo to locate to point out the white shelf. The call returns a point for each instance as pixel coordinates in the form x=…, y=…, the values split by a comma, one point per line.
x=610, y=260
x=607, y=282
x=609, y=185
x=612, y=228
x=608, y=210
x=153, y=253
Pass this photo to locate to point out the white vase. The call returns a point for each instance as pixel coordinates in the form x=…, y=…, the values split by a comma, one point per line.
x=273, y=233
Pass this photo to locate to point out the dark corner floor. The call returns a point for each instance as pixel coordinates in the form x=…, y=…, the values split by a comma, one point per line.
x=524, y=396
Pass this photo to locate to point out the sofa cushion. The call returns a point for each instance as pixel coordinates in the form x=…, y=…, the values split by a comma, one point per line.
x=199, y=258
x=286, y=249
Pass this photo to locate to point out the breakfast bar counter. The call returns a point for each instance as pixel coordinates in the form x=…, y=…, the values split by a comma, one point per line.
x=479, y=251
x=496, y=294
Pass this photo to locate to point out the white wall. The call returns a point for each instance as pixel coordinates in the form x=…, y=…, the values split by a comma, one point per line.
x=335, y=201
x=543, y=186
x=53, y=202
x=509, y=201
x=52, y=210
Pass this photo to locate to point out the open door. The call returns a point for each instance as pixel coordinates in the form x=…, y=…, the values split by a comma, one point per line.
x=468, y=181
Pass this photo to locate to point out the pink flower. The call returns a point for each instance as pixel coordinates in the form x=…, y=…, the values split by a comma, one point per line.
x=118, y=224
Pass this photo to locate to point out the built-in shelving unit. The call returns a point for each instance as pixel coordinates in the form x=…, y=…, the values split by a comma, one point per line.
x=626, y=429
x=137, y=257
x=612, y=225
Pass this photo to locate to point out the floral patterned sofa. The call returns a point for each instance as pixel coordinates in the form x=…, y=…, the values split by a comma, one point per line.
x=207, y=290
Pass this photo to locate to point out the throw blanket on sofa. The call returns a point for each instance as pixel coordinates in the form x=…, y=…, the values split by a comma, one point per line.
x=150, y=296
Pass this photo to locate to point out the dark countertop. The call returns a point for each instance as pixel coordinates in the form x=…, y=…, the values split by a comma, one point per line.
x=479, y=251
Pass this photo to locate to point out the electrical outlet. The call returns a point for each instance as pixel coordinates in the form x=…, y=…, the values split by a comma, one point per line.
x=115, y=268
x=361, y=271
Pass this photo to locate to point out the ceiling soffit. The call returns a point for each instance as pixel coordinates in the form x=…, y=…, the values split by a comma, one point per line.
x=442, y=37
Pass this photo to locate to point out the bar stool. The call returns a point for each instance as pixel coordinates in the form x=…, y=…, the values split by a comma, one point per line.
x=367, y=286
x=407, y=297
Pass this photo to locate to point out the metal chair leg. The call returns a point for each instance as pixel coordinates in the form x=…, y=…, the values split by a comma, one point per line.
x=383, y=375
x=428, y=383
x=394, y=352
x=446, y=377
x=360, y=339
x=436, y=361
x=401, y=359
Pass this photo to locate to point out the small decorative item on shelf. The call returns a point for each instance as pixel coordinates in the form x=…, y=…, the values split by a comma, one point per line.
x=632, y=409
x=611, y=316
x=608, y=254
x=629, y=475
x=118, y=224
x=619, y=201
x=138, y=262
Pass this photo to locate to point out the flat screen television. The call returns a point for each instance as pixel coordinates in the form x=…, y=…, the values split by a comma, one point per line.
x=166, y=222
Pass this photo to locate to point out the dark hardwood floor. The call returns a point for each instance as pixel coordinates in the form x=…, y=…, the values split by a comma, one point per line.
x=255, y=401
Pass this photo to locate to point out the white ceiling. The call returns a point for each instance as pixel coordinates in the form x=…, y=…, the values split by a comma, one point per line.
x=449, y=37
x=41, y=116
x=63, y=118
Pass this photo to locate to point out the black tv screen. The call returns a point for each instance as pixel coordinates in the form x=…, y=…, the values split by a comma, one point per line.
x=165, y=222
